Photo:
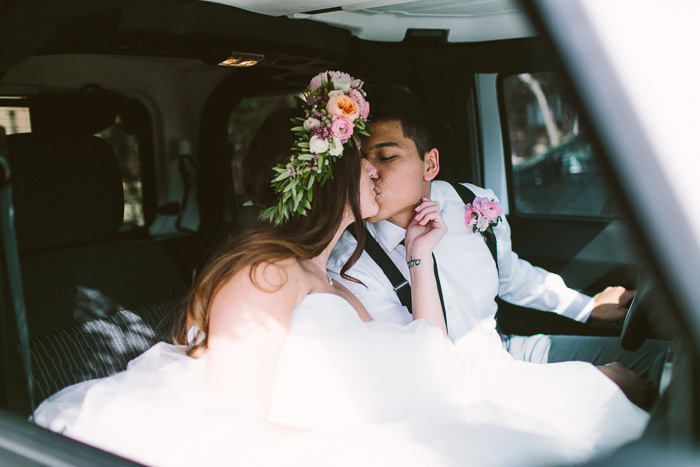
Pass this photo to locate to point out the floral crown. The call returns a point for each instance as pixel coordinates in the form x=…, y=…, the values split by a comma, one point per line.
x=334, y=110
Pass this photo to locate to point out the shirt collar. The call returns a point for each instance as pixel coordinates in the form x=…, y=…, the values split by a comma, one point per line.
x=388, y=234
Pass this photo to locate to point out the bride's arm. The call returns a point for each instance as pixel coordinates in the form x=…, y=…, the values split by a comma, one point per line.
x=247, y=329
x=422, y=234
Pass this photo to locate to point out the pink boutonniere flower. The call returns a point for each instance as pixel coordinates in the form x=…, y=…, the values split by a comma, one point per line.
x=482, y=215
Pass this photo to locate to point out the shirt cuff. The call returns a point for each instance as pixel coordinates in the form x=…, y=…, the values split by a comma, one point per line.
x=580, y=308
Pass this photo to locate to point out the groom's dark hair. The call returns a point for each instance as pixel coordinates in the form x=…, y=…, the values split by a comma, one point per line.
x=396, y=104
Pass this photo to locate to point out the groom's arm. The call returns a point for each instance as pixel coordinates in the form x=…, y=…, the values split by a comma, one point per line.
x=526, y=285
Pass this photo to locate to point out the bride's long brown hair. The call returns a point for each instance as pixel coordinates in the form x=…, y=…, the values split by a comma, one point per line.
x=302, y=237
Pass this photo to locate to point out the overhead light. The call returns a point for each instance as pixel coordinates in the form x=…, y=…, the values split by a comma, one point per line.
x=242, y=60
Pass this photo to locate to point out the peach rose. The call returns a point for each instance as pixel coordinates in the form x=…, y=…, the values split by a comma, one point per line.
x=343, y=106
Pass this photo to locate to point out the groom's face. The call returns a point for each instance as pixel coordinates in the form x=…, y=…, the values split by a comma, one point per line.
x=401, y=173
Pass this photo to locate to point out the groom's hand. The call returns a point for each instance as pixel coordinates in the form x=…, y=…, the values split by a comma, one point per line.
x=612, y=304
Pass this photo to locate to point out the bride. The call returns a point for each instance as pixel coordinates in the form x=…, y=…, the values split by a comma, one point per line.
x=274, y=362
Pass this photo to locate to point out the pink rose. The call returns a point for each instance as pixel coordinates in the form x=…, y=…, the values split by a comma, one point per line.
x=479, y=203
x=491, y=210
x=365, y=111
x=471, y=215
x=341, y=105
x=362, y=104
x=316, y=81
x=357, y=97
x=342, y=128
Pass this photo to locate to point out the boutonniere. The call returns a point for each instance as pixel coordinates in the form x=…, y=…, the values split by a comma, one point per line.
x=482, y=215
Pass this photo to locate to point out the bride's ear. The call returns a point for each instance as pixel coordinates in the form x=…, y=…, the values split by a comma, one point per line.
x=431, y=162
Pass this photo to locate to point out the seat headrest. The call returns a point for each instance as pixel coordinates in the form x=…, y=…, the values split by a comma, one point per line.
x=67, y=189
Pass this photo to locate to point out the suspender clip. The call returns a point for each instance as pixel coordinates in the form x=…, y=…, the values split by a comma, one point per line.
x=400, y=286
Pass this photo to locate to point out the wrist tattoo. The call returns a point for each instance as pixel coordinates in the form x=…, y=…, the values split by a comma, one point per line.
x=413, y=262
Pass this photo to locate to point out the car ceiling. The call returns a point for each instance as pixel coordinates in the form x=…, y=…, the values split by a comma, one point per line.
x=294, y=44
x=389, y=20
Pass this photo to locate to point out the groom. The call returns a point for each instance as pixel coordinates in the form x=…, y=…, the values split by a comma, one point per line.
x=471, y=271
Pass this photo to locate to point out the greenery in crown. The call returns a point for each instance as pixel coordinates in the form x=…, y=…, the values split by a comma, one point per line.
x=335, y=109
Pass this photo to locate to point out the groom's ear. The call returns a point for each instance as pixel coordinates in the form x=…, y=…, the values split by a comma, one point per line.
x=431, y=164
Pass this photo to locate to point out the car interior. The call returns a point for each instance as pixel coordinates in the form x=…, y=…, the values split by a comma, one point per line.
x=126, y=123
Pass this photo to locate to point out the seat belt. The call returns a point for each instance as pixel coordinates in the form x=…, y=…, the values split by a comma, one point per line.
x=12, y=268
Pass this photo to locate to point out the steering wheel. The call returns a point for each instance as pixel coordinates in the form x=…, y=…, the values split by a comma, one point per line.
x=636, y=327
x=645, y=317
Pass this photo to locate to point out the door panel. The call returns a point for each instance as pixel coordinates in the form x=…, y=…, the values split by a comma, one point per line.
x=589, y=255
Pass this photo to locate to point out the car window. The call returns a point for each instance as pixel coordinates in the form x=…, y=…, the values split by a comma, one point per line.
x=553, y=168
x=14, y=115
x=126, y=147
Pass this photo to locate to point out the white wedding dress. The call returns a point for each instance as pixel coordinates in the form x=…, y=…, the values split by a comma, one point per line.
x=366, y=393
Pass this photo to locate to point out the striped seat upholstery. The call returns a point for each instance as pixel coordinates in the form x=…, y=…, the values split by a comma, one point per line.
x=79, y=274
x=97, y=348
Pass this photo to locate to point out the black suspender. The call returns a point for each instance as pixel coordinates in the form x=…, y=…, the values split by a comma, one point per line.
x=468, y=196
x=398, y=282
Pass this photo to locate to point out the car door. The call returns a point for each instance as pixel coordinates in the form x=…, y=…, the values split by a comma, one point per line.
x=564, y=216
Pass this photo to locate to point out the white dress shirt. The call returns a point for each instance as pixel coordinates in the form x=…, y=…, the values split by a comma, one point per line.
x=468, y=275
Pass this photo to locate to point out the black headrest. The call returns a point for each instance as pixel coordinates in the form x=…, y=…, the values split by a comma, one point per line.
x=67, y=189
x=87, y=112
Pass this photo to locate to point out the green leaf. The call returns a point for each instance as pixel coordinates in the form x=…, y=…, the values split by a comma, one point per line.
x=298, y=128
x=311, y=181
x=300, y=100
x=303, y=144
x=280, y=177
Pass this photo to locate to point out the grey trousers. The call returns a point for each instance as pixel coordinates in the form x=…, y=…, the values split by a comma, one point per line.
x=540, y=348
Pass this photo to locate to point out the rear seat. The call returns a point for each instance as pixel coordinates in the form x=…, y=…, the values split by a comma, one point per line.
x=94, y=301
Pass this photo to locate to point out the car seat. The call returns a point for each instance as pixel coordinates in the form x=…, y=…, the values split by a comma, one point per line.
x=94, y=300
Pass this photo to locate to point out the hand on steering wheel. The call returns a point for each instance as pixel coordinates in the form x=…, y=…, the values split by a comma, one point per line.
x=612, y=304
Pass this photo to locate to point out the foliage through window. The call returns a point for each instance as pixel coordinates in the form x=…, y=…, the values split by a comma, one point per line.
x=554, y=170
x=126, y=147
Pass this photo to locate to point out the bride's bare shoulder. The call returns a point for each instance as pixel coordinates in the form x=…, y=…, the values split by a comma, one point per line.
x=285, y=275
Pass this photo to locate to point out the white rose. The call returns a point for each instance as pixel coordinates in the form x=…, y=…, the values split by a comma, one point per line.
x=335, y=93
x=311, y=124
x=482, y=223
x=342, y=81
x=336, y=147
x=318, y=145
